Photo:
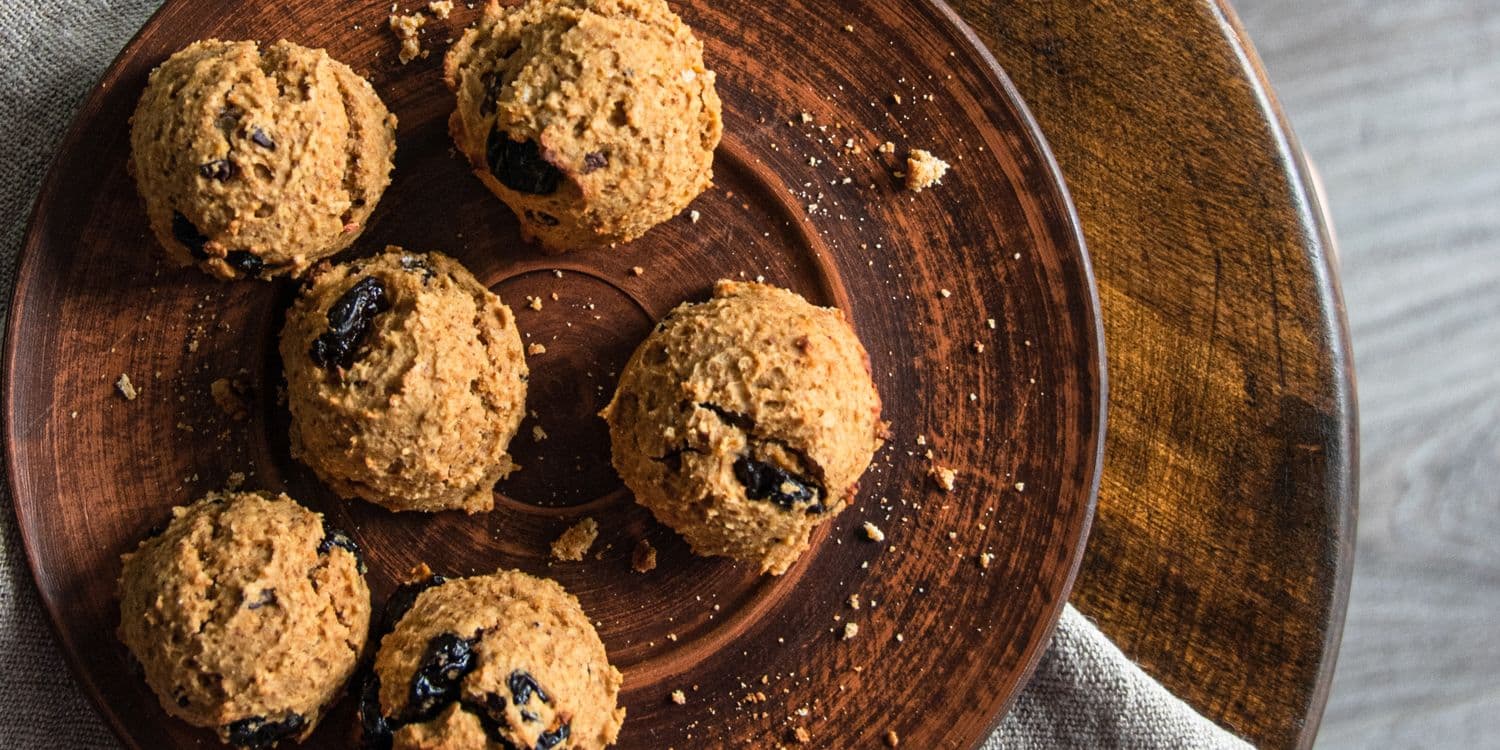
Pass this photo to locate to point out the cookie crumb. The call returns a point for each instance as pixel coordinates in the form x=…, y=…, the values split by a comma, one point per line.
x=1020, y=486
x=534, y=303
x=643, y=559
x=227, y=394
x=978, y=347
x=234, y=481
x=679, y=697
x=985, y=559
x=854, y=601
x=125, y=387
x=873, y=532
x=848, y=27
x=694, y=216
x=405, y=28
x=636, y=270
x=537, y=433
x=891, y=738
x=806, y=118
x=990, y=322
x=802, y=735
x=886, y=148
x=923, y=170
x=536, y=348
x=850, y=630
x=440, y=8
x=946, y=294
x=944, y=476
x=575, y=542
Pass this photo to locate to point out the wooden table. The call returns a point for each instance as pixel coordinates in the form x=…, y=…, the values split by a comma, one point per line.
x=1221, y=550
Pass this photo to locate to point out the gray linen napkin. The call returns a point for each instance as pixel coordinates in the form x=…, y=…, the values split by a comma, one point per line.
x=1085, y=692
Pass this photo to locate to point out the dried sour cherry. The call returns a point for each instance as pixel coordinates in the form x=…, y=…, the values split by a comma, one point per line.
x=402, y=598
x=245, y=262
x=255, y=733
x=763, y=481
x=333, y=537
x=187, y=233
x=519, y=165
x=439, y=676
x=349, y=321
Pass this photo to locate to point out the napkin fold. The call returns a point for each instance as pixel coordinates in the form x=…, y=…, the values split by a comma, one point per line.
x=1085, y=693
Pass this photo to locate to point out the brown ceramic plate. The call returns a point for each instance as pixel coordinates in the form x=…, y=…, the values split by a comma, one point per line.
x=943, y=643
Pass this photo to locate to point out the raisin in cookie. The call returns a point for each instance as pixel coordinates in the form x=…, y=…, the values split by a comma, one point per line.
x=258, y=162
x=504, y=660
x=745, y=421
x=405, y=380
x=594, y=120
x=247, y=615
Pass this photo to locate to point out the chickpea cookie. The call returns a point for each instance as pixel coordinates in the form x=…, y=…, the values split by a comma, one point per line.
x=505, y=660
x=594, y=120
x=745, y=421
x=247, y=614
x=405, y=380
x=258, y=162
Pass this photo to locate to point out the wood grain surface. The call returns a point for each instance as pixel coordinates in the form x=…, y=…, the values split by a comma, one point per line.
x=918, y=275
x=1220, y=552
x=1398, y=104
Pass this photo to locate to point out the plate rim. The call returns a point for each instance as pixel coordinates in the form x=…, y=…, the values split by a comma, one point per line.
x=1071, y=232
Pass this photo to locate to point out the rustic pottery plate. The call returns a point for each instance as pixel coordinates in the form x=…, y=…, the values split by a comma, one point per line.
x=974, y=299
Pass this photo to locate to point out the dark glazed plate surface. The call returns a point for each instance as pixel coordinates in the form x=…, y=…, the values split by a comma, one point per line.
x=943, y=643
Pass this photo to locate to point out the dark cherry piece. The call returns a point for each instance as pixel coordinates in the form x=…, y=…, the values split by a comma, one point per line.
x=766, y=482
x=519, y=165
x=245, y=262
x=185, y=232
x=255, y=733
x=349, y=321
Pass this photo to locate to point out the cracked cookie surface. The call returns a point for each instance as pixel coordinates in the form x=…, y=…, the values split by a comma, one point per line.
x=745, y=421
x=258, y=162
x=503, y=661
x=246, y=614
x=405, y=381
x=594, y=120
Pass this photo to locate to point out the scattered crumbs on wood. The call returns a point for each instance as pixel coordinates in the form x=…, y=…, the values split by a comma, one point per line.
x=536, y=348
x=854, y=601
x=636, y=270
x=873, y=532
x=891, y=738
x=537, y=433
x=990, y=323
x=440, y=8
x=679, y=697
x=945, y=477
x=125, y=387
x=802, y=736
x=406, y=29
x=694, y=216
x=534, y=303
x=575, y=542
x=978, y=347
x=228, y=394
x=946, y=294
x=923, y=170
x=985, y=558
x=850, y=630
x=643, y=559
x=886, y=148
x=1020, y=486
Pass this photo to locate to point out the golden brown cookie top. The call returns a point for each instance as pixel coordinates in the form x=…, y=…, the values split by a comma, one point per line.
x=246, y=613
x=744, y=421
x=505, y=655
x=257, y=162
x=406, y=381
x=594, y=119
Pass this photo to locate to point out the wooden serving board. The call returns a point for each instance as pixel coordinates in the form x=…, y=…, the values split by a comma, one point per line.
x=943, y=643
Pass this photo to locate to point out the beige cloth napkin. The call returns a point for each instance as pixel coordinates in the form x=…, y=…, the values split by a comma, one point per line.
x=1085, y=693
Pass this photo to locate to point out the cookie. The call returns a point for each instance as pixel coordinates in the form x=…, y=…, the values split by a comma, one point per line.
x=405, y=381
x=745, y=421
x=247, y=615
x=594, y=120
x=503, y=660
x=258, y=163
